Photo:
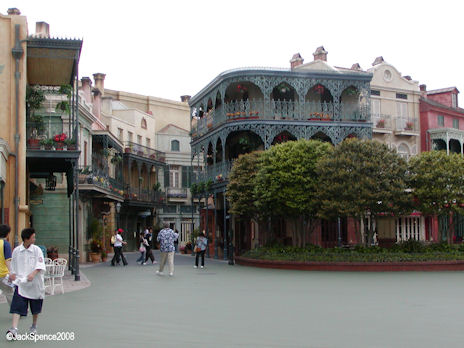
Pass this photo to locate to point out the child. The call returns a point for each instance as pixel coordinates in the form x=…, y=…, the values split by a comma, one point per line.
x=27, y=269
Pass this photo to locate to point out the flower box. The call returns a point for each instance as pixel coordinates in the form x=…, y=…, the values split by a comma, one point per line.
x=380, y=124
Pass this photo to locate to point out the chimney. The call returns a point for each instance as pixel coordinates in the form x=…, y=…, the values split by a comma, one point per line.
x=296, y=61
x=100, y=82
x=356, y=66
x=320, y=54
x=185, y=98
x=42, y=29
x=407, y=77
x=378, y=60
x=86, y=88
x=13, y=11
x=423, y=91
x=97, y=103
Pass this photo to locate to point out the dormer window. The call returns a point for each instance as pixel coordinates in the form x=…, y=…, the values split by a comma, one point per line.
x=175, y=146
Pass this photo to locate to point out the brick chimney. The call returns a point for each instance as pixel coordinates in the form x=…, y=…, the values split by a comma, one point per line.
x=185, y=98
x=320, y=54
x=42, y=29
x=100, y=82
x=13, y=11
x=356, y=66
x=423, y=91
x=97, y=103
x=378, y=60
x=87, y=88
x=296, y=61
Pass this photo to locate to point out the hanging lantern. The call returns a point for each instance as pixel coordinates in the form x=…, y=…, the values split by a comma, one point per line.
x=50, y=182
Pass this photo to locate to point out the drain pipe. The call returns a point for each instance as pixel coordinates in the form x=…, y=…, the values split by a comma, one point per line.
x=17, y=53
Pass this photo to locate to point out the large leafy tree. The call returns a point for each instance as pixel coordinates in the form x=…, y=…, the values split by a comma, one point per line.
x=240, y=190
x=362, y=178
x=437, y=181
x=286, y=182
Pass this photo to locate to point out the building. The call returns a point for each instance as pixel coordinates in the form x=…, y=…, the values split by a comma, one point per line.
x=396, y=123
x=243, y=110
x=442, y=128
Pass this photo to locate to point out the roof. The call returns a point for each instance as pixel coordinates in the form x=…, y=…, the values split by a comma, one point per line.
x=437, y=104
x=443, y=90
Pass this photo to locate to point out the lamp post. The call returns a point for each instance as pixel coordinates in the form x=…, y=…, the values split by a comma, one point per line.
x=118, y=209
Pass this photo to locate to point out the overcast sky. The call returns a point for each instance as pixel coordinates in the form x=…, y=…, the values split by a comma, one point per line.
x=170, y=48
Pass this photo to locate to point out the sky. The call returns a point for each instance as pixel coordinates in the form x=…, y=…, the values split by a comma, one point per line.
x=171, y=48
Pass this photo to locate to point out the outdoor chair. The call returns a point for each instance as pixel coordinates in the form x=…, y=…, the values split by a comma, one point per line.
x=49, y=270
x=58, y=273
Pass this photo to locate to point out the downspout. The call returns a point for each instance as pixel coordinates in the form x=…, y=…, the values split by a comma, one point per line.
x=17, y=53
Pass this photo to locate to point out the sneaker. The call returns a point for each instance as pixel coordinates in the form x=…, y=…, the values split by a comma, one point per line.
x=159, y=273
x=144, y=263
x=171, y=274
x=11, y=334
x=195, y=266
x=32, y=331
x=154, y=262
x=202, y=267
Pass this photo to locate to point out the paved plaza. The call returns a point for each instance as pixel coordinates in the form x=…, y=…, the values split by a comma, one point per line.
x=235, y=306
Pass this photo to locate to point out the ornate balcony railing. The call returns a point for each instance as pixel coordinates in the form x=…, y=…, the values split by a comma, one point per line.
x=49, y=133
x=382, y=122
x=176, y=192
x=144, y=195
x=101, y=179
x=406, y=124
x=144, y=151
x=217, y=173
x=256, y=109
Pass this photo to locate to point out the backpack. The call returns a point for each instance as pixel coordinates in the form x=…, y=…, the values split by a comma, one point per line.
x=113, y=239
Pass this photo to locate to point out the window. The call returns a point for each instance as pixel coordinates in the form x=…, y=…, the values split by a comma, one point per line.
x=120, y=134
x=148, y=142
x=175, y=146
x=375, y=92
x=139, y=139
x=441, y=120
x=401, y=96
x=455, y=123
x=403, y=151
x=408, y=228
x=174, y=172
x=85, y=153
x=143, y=124
x=402, y=115
x=129, y=136
x=454, y=100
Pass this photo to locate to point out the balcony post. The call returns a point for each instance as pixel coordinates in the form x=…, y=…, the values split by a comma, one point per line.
x=215, y=227
x=226, y=237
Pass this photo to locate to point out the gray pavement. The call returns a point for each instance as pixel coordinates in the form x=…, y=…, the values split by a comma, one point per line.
x=234, y=306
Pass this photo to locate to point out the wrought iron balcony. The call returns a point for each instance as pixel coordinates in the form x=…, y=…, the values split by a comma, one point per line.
x=176, y=192
x=49, y=133
x=407, y=126
x=382, y=123
x=143, y=151
x=148, y=196
x=259, y=109
x=216, y=173
x=99, y=181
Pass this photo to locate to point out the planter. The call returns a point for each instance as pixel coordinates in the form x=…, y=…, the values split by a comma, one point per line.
x=33, y=143
x=127, y=150
x=94, y=257
x=59, y=146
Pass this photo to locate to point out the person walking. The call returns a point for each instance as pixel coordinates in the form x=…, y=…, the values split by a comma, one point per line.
x=27, y=273
x=118, y=243
x=148, y=246
x=166, y=238
x=5, y=260
x=200, y=249
x=142, y=248
x=176, y=242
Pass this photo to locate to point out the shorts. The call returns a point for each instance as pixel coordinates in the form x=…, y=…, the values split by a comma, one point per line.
x=19, y=304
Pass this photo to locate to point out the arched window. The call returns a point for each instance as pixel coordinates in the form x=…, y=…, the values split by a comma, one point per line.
x=175, y=146
x=144, y=123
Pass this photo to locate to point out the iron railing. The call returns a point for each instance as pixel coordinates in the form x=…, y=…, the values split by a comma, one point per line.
x=144, y=195
x=144, y=151
x=215, y=173
x=99, y=178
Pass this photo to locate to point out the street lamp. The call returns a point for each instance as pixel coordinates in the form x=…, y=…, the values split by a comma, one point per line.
x=118, y=209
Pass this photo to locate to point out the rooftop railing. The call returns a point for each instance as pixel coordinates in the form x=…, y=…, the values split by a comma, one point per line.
x=144, y=151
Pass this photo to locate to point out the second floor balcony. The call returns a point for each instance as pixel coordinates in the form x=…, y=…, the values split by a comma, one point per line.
x=97, y=183
x=279, y=110
x=144, y=197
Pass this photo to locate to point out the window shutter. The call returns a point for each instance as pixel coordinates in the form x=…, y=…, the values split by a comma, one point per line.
x=166, y=176
x=185, y=181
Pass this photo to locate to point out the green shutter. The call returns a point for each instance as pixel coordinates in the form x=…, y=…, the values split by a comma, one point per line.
x=166, y=176
x=185, y=181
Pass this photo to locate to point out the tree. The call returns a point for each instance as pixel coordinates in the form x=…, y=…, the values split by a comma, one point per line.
x=437, y=181
x=286, y=183
x=362, y=178
x=240, y=190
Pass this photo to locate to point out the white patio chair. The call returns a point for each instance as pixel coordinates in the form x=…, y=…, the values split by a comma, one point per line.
x=49, y=270
x=57, y=276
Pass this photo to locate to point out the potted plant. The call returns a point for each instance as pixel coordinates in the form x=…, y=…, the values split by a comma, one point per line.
x=104, y=255
x=52, y=252
x=59, y=139
x=95, y=250
x=46, y=144
x=70, y=144
x=409, y=125
x=380, y=124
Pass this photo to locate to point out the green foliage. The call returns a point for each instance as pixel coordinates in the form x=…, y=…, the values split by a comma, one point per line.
x=437, y=180
x=194, y=189
x=405, y=252
x=64, y=105
x=286, y=180
x=34, y=97
x=240, y=190
x=47, y=142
